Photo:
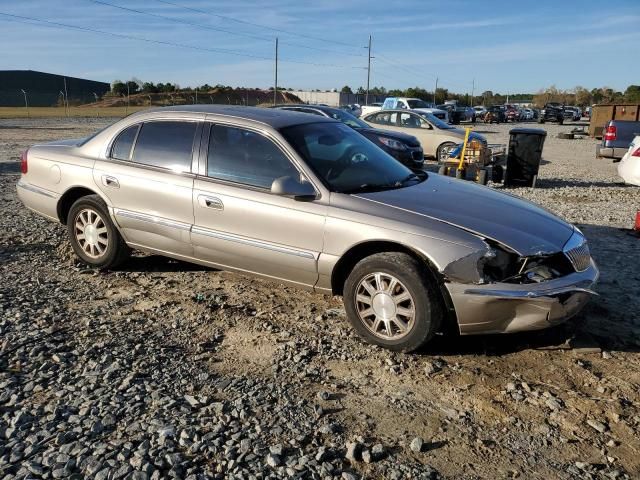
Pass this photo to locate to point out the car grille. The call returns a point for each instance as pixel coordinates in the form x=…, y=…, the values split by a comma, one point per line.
x=579, y=257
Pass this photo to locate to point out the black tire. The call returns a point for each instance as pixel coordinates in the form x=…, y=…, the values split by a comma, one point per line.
x=541, y=120
x=566, y=136
x=419, y=282
x=442, y=170
x=482, y=177
x=116, y=250
x=560, y=121
x=497, y=174
x=441, y=147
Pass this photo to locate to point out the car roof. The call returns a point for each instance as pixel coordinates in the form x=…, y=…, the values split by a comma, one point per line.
x=275, y=118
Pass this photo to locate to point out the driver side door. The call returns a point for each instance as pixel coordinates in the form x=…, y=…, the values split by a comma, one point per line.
x=239, y=224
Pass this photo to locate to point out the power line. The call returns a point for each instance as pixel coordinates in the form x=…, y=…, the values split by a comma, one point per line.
x=415, y=72
x=30, y=20
x=218, y=29
x=279, y=30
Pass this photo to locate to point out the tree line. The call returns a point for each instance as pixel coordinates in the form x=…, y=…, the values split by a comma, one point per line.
x=582, y=97
x=579, y=95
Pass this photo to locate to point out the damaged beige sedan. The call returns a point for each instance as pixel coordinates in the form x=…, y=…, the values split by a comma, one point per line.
x=308, y=201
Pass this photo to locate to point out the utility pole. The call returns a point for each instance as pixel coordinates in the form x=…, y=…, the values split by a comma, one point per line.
x=473, y=87
x=196, y=95
x=26, y=103
x=275, y=87
x=434, y=91
x=66, y=96
x=95, y=95
x=366, y=98
x=126, y=111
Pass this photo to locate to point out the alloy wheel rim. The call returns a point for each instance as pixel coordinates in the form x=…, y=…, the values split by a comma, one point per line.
x=445, y=152
x=91, y=233
x=385, y=306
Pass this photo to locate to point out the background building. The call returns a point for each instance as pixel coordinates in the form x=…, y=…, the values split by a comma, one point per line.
x=43, y=89
x=335, y=99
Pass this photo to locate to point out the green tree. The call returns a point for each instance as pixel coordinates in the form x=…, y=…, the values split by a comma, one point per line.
x=119, y=88
x=149, y=87
x=133, y=87
x=632, y=94
x=346, y=89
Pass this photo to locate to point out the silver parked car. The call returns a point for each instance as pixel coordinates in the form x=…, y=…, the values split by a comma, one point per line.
x=308, y=201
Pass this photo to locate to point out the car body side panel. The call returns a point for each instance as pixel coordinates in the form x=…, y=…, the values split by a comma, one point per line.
x=257, y=231
x=53, y=170
x=152, y=207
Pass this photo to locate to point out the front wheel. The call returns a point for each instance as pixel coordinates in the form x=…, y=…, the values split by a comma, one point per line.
x=393, y=301
x=93, y=235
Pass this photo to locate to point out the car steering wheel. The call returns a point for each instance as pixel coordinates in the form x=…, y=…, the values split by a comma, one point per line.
x=340, y=165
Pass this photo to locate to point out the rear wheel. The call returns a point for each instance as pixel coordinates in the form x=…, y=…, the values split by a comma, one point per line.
x=393, y=301
x=93, y=235
x=444, y=150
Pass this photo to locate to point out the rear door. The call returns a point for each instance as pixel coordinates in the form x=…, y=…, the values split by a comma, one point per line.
x=239, y=224
x=147, y=178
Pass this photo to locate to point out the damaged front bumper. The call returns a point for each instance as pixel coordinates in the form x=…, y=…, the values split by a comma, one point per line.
x=506, y=307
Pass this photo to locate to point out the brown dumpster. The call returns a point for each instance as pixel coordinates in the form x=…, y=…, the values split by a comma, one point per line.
x=601, y=114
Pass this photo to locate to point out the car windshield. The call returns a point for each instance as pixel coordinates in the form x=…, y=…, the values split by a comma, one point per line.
x=347, y=118
x=416, y=103
x=436, y=122
x=345, y=160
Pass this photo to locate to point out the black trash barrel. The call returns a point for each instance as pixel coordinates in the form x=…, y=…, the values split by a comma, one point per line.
x=523, y=159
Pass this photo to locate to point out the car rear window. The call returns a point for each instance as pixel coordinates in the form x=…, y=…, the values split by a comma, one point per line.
x=166, y=144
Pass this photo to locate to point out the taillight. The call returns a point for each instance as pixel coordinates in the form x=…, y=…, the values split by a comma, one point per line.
x=24, y=167
x=610, y=132
x=636, y=153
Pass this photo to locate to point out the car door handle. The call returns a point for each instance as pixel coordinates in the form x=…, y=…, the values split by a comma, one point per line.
x=210, y=202
x=110, y=181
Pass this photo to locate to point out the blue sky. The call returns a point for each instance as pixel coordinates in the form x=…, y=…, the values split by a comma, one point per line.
x=505, y=46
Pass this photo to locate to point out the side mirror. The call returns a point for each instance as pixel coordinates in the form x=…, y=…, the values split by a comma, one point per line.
x=290, y=187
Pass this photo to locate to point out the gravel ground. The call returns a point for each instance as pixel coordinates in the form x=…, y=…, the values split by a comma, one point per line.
x=169, y=370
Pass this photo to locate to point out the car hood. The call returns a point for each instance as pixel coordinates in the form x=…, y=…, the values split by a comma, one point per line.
x=520, y=225
x=403, y=137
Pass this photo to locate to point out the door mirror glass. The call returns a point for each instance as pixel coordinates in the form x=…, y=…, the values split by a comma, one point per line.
x=290, y=187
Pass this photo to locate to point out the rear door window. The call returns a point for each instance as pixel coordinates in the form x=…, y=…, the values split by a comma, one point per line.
x=166, y=144
x=122, y=147
x=409, y=121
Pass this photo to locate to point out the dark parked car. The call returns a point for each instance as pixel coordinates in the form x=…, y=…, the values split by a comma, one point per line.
x=456, y=114
x=552, y=112
x=498, y=112
x=402, y=147
x=617, y=135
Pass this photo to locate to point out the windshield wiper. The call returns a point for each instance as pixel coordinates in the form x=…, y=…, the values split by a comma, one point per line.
x=366, y=187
